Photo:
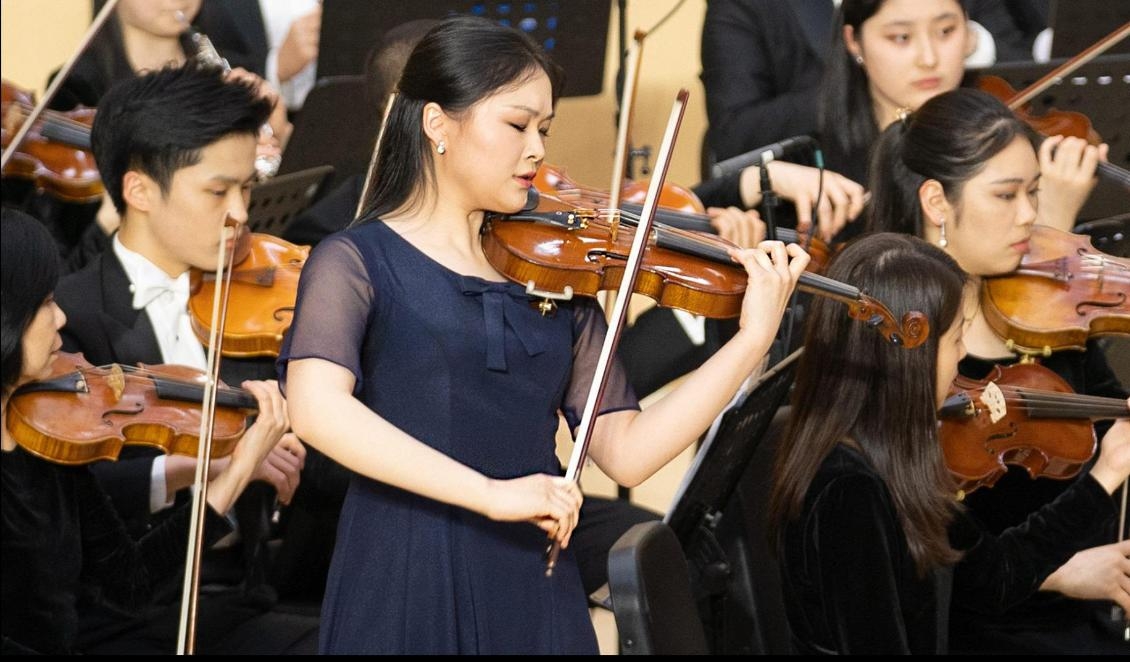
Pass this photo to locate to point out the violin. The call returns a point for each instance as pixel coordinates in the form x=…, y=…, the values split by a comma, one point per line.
x=1060, y=122
x=1024, y=415
x=558, y=251
x=678, y=208
x=1063, y=292
x=82, y=413
x=55, y=153
x=263, y=290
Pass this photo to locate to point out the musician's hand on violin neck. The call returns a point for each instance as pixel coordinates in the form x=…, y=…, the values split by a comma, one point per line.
x=1067, y=177
x=1098, y=573
x=271, y=423
x=743, y=228
x=1113, y=466
x=840, y=202
x=773, y=270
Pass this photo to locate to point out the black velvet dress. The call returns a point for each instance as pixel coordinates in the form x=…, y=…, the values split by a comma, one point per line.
x=1045, y=622
x=59, y=531
x=850, y=583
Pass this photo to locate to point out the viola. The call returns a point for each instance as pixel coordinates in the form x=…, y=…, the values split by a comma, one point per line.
x=558, y=251
x=264, y=287
x=678, y=208
x=1064, y=292
x=55, y=153
x=1056, y=122
x=83, y=413
x=1023, y=415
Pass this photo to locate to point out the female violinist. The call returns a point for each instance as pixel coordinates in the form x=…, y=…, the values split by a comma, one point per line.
x=61, y=536
x=872, y=544
x=414, y=363
x=176, y=149
x=963, y=173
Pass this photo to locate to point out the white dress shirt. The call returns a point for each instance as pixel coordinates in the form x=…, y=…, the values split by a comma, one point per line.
x=165, y=301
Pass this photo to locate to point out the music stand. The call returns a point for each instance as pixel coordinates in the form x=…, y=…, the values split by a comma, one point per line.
x=1078, y=24
x=279, y=199
x=722, y=458
x=1100, y=90
x=573, y=32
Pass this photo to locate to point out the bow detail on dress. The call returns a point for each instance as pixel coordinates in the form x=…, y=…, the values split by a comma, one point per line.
x=505, y=303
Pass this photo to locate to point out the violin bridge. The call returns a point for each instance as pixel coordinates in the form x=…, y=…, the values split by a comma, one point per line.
x=116, y=381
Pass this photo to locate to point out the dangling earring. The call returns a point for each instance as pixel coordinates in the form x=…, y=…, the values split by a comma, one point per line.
x=441, y=148
x=942, y=241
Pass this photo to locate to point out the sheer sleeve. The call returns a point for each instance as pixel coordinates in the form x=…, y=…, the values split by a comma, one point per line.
x=332, y=310
x=589, y=329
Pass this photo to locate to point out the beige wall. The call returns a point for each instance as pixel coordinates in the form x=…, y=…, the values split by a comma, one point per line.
x=39, y=35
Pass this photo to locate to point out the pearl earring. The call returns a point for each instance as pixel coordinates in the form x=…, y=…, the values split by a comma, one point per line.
x=441, y=148
x=942, y=241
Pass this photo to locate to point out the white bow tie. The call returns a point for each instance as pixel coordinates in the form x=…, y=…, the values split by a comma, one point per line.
x=149, y=292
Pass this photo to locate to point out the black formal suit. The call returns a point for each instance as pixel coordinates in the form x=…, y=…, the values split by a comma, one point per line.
x=236, y=26
x=236, y=612
x=762, y=65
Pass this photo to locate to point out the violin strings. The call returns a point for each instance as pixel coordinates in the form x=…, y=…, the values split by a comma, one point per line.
x=55, y=116
x=1067, y=403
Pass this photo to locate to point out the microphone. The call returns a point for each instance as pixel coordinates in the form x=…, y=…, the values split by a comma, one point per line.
x=761, y=155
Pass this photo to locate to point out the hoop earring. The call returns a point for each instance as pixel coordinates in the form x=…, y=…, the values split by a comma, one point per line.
x=441, y=148
x=942, y=241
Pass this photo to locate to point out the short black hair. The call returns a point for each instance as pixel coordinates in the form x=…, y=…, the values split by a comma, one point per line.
x=28, y=275
x=158, y=123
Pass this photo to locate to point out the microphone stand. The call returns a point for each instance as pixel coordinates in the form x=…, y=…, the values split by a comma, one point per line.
x=769, y=199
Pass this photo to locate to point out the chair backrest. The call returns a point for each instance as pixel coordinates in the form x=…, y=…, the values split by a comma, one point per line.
x=652, y=603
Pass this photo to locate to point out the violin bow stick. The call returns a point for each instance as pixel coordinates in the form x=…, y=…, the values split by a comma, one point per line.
x=373, y=158
x=620, y=310
x=186, y=635
x=623, y=130
x=49, y=94
x=1065, y=69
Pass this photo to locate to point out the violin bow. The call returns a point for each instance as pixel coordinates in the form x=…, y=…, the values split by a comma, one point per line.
x=65, y=71
x=1091, y=52
x=373, y=158
x=620, y=310
x=186, y=635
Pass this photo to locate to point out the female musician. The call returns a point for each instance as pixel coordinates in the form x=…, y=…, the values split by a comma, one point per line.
x=413, y=363
x=962, y=172
x=176, y=150
x=59, y=530
x=889, y=55
x=872, y=544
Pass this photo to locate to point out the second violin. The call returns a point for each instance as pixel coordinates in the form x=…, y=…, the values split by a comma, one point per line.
x=84, y=413
x=1064, y=292
x=1024, y=415
x=264, y=286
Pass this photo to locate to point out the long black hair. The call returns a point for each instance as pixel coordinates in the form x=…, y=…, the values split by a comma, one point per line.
x=28, y=275
x=949, y=139
x=459, y=62
x=846, y=114
x=852, y=384
x=159, y=122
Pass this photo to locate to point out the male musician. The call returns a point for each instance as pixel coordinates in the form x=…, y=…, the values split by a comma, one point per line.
x=176, y=150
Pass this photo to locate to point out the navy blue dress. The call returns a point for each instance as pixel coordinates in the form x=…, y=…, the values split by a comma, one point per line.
x=471, y=368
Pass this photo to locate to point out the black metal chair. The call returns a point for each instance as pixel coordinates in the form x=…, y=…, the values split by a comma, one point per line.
x=652, y=603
